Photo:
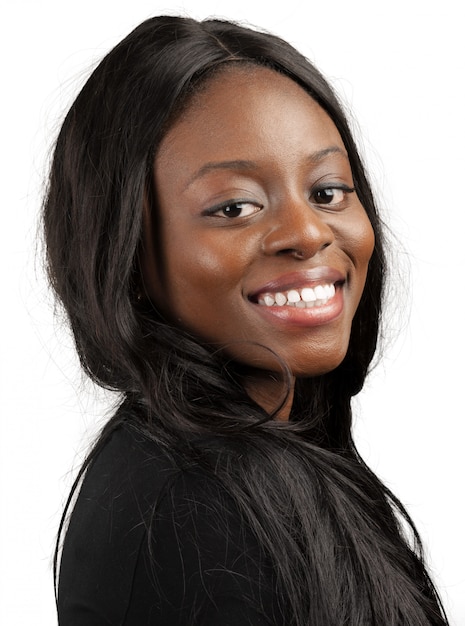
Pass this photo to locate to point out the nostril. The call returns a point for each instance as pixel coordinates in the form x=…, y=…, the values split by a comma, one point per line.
x=287, y=251
x=298, y=254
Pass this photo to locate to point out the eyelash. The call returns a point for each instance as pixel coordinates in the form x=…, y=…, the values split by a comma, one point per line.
x=236, y=204
x=345, y=189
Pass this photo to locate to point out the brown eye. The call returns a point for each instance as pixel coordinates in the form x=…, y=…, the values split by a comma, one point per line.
x=331, y=196
x=237, y=209
x=327, y=196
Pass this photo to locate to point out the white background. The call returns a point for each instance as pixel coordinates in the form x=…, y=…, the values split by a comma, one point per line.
x=400, y=67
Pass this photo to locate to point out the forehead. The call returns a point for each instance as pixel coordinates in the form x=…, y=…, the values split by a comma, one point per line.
x=248, y=112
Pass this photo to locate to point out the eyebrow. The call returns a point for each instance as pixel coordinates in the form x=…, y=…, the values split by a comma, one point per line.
x=243, y=165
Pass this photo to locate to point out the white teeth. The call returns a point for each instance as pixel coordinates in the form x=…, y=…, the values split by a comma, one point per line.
x=293, y=296
x=308, y=295
x=304, y=298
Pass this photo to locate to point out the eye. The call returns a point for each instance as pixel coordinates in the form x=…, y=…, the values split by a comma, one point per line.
x=332, y=196
x=236, y=209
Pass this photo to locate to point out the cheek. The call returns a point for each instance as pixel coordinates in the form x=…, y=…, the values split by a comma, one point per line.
x=358, y=241
x=361, y=251
x=198, y=262
x=365, y=241
x=203, y=277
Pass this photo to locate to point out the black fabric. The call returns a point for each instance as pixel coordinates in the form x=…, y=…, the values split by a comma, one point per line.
x=150, y=543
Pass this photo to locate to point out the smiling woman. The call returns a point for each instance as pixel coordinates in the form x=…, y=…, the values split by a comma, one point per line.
x=286, y=201
x=212, y=236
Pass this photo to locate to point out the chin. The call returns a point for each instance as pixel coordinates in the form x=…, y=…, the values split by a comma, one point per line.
x=316, y=371
x=318, y=363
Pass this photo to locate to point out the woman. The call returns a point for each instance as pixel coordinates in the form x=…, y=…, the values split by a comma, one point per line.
x=213, y=238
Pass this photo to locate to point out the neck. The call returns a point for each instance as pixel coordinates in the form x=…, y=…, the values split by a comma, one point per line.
x=271, y=391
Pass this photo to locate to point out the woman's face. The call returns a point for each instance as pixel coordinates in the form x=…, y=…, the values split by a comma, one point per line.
x=263, y=240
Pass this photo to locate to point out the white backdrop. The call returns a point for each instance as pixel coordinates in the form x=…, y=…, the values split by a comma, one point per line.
x=400, y=67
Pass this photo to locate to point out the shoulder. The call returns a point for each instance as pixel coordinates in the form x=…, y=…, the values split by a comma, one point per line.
x=108, y=527
x=123, y=483
x=151, y=539
x=205, y=563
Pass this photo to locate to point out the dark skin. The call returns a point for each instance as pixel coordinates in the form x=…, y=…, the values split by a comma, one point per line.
x=257, y=204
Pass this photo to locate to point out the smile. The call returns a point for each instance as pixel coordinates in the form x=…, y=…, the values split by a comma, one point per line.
x=305, y=298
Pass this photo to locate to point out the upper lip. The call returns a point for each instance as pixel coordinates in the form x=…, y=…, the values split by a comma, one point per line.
x=322, y=275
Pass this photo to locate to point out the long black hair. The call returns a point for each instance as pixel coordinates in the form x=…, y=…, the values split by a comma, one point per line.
x=181, y=393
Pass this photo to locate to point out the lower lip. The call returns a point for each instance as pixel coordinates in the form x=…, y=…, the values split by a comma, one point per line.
x=314, y=316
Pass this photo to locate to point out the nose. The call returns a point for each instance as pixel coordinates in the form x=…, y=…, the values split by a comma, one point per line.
x=297, y=230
